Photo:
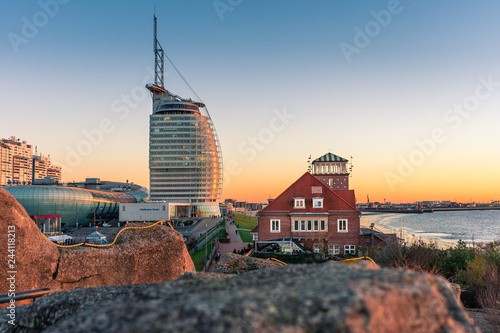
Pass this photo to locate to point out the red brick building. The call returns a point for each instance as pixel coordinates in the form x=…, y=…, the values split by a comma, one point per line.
x=317, y=212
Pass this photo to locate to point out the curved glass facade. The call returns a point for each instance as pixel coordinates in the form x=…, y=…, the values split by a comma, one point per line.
x=185, y=158
x=74, y=205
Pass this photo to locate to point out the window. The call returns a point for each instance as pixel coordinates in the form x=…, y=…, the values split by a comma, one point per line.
x=317, y=202
x=123, y=208
x=333, y=249
x=350, y=249
x=316, y=225
x=330, y=182
x=299, y=203
x=342, y=225
x=317, y=249
x=275, y=225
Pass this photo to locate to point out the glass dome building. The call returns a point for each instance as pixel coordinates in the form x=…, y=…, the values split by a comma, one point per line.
x=74, y=205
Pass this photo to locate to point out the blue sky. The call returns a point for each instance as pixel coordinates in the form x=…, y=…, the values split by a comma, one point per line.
x=265, y=58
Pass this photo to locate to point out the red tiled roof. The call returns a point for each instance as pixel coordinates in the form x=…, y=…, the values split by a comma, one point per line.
x=256, y=229
x=302, y=188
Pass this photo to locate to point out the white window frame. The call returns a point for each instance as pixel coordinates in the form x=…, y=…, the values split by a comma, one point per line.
x=350, y=249
x=299, y=223
x=325, y=224
x=317, y=249
x=299, y=203
x=317, y=202
x=309, y=225
x=340, y=225
x=275, y=225
x=333, y=249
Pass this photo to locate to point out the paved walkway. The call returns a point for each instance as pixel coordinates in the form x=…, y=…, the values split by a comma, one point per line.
x=235, y=244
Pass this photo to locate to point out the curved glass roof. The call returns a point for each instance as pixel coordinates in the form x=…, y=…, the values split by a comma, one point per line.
x=74, y=205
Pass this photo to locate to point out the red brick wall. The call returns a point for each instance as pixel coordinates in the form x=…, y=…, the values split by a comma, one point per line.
x=340, y=181
x=311, y=238
x=265, y=227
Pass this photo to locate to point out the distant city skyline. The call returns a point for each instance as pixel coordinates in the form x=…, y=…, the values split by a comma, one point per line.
x=409, y=89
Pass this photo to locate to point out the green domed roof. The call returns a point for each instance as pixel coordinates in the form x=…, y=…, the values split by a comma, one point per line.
x=330, y=158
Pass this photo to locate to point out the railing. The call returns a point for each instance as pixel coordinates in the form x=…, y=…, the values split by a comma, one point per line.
x=116, y=237
x=215, y=249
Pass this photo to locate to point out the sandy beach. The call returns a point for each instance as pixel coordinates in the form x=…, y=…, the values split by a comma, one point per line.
x=368, y=219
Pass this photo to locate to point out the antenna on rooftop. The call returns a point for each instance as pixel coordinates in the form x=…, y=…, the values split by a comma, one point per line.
x=159, y=58
x=350, y=167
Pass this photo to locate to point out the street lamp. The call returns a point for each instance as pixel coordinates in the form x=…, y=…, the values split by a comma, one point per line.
x=206, y=244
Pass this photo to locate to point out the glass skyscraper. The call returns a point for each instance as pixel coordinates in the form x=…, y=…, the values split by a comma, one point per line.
x=185, y=158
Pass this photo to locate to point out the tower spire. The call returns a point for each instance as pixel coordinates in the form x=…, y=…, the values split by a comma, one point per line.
x=159, y=58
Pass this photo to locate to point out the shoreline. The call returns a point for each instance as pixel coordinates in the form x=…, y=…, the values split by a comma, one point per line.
x=367, y=219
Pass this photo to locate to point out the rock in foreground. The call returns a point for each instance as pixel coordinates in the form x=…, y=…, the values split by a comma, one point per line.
x=236, y=264
x=152, y=255
x=330, y=297
x=34, y=257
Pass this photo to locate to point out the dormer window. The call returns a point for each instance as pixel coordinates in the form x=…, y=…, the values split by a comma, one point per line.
x=299, y=203
x=317, y=202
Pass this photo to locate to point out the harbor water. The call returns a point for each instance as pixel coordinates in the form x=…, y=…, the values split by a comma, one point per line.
x=469, y=226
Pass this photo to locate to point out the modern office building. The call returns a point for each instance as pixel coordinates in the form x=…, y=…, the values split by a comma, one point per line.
x=78, y=203
x=18, y=165
x=185, y=159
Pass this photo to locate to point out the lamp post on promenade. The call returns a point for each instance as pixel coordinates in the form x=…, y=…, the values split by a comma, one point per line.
x=206, y=244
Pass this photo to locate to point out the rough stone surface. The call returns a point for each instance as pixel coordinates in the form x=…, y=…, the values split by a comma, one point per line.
x=35, y=256
x=330, y=297
x=488, y=320
x=232, y=263
x=150, y=255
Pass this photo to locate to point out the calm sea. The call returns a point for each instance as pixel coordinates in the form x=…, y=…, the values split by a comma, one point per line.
x=480, y=226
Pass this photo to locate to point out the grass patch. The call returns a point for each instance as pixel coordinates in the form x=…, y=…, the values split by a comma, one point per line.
x=246, y=236
x=245, y=222
x=199, y=257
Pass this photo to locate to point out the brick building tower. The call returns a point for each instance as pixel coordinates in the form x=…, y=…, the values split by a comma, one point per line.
x=332, y=171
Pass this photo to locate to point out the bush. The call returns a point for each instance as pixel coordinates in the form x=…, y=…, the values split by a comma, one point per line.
x=417, y=256
x=450, y=262
x=489, y=296
x=477, y=272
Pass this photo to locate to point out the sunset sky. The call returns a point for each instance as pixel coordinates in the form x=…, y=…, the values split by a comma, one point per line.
x=409, y=89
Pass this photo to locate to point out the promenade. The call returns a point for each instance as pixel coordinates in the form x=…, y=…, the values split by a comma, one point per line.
x=235, y=244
